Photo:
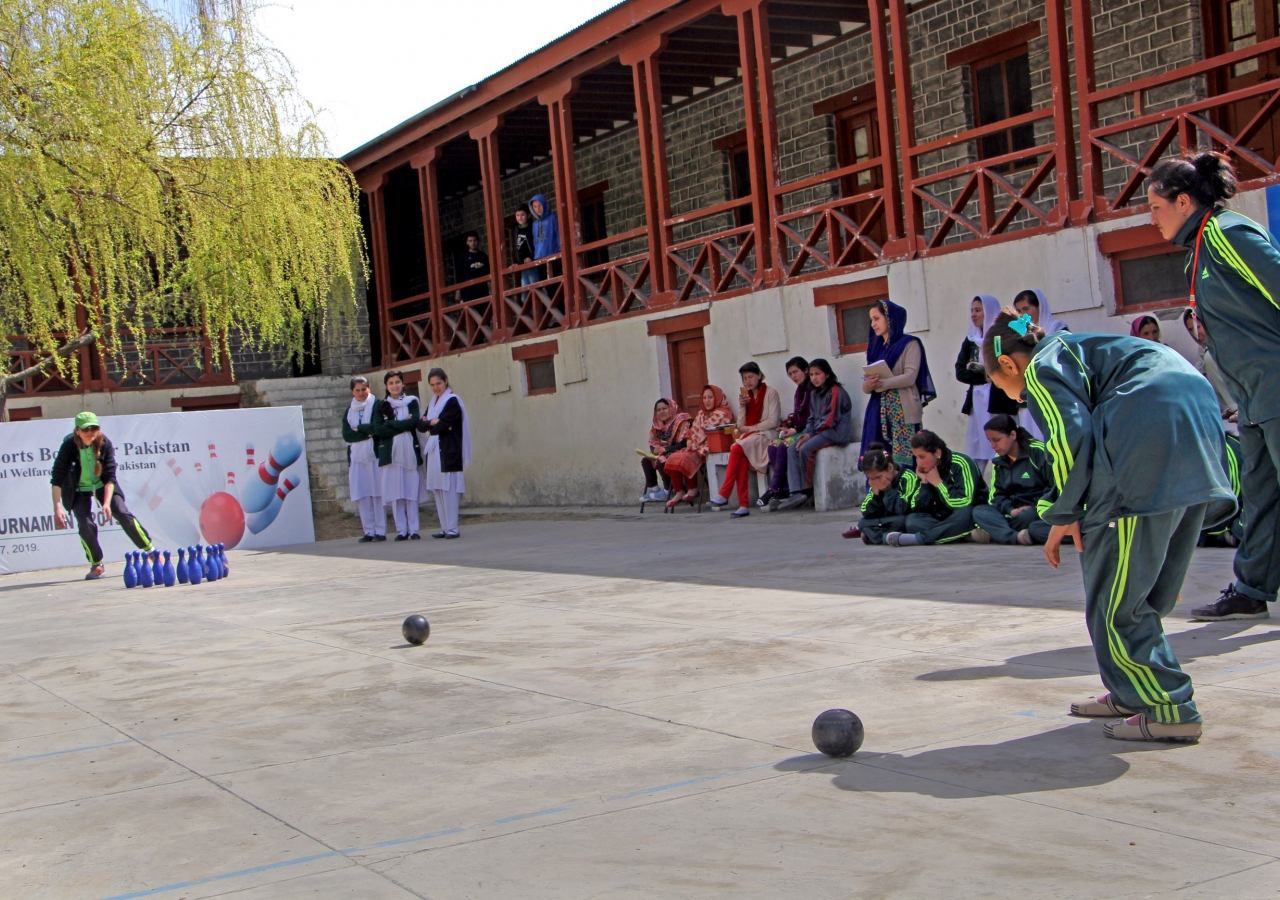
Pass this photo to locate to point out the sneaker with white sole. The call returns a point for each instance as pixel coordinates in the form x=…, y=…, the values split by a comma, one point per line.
x=1140, y=728
x=892, y=539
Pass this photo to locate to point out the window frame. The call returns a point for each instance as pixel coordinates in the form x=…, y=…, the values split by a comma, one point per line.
x=847, y=296
x=1000, y=59
x=529, y=390
x=731, y=145
x=541, y=351
x=996, y=49
x=1136, y=243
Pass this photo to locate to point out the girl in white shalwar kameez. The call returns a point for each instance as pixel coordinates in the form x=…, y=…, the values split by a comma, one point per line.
x=396, y=422
x=448, y=450
x=364, y=481
x=1035, y=304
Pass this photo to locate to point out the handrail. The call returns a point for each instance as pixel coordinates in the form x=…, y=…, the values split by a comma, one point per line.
x=642, y=231
x=987, y=163
x=614, y=263
x=1155, y=118
x=791, y=187
x=727, y=206
x=972, y=134
x=463, y=285
x=1183, y=72
x=714, y=236
x=532, y=264
x=425, y=295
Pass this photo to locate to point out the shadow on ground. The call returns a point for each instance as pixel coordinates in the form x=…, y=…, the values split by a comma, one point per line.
x=1072, y=757
x=1214, y=639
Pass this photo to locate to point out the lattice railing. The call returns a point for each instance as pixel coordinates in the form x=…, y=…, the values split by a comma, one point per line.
x=618, y=286
x=836, y=234
x=538, y=307
x=717, y=262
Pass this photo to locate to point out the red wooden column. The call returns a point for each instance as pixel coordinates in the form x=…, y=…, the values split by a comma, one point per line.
x=643, y=60
x=1060, y=83
x=912, y=213
x=1091, y=158
x=429, y=197
x=374, y=187
x=761, y=125
x=884, y=102
x=486, y=136
x=556, y=100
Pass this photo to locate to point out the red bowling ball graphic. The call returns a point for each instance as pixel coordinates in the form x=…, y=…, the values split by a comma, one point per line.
x=222, y=520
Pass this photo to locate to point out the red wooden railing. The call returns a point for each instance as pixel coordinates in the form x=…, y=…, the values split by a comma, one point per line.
x=618, y=286
x=835, y=234
x=410, y=329
x=534, y=308
x=718, y=262
x=467, y=323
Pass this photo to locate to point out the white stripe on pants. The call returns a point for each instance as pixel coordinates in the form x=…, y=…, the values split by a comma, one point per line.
x=447, y=509
x=373, y=515
x=406, y=516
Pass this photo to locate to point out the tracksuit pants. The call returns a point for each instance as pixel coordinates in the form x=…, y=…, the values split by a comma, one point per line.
x=876, y=529
x=1004, y=529
x=373, y=515
x=82, y=508
x=1133, y=573
x=447, y=509
x=931, y=530
x=1258, y=557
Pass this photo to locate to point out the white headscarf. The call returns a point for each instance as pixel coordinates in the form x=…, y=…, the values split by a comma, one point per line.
x=990, y=309
x=433, y=412
x=1048, y=323
x=361, y=414
x=402, y=444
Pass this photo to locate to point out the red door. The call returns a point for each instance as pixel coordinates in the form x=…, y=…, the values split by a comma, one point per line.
x=687, y=351
x=1233, y=25
x=858, y=140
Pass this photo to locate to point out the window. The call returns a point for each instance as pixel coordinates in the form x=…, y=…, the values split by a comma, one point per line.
x=25, y=413
x=1147, y=275
x=851, y=303
x=1000, y=72
x=540, y=375
x=734, y=147
x=592, y=220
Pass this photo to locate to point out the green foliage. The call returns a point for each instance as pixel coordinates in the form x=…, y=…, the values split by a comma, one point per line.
x=161, y=169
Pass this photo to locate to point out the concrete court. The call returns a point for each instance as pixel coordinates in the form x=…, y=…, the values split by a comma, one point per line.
x=616, y=707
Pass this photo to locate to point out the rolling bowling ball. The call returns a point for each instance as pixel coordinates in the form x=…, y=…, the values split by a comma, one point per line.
x=837, y=732
x=416, y=630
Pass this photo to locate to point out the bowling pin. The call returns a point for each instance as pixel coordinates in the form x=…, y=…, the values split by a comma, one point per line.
x=222, y=559
x=231, y=484
x=256, y=522
x=167, y=570
x=211, y=572
x=130, y=573
x=203, y=482
x=145, y=578
x=257, y=492
x=180, y=570
x=186, y=482
x=193, y=566
x=216, y=475
x=157, y=569
x=170, y=517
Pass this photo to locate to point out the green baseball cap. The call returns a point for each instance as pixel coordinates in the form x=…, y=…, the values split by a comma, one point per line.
x=86, y=420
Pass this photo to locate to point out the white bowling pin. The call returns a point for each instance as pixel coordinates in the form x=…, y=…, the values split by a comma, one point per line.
x=231, y=484
x=216, y=475
x=172, y=520
x=256, y=522
x=186, y=482
x=257, y=492
x=203, y=482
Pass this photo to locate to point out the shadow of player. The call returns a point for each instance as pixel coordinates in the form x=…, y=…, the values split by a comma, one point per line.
x=1072, y=757
x=1214, y=639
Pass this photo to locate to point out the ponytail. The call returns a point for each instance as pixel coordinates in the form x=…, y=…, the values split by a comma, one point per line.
x=876, y=459
x=1208, y=178
x=1011, y=341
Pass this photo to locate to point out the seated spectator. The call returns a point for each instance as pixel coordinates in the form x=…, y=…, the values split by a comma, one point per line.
x=950, y=486
x=1208, y=367
x=1145, y=327
x=830, y=425
x=890, y=493
x=683, y=465
x=1230, y=532
x=473, y=263
x=982, y=402
x=759, y=411
x=669, y=432
x=789, y=433
x=1021, y=477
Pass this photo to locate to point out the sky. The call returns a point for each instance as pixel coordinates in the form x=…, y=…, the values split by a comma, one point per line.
x=371, y=64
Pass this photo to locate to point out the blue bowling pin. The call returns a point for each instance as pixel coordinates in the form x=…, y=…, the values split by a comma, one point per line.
x=193, y=565
x=145, y=578
x=170, y=575
x=157, y=568
x=181, y=567
x=130, y=573
x=215, y=571
x=222, y=560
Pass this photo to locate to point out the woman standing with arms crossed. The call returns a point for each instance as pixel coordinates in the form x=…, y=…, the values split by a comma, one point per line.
x=394, y=421
x=1233, y=266
x=448, y=451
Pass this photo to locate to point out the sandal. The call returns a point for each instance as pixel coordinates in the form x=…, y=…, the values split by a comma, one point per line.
x=1100, y=707
x=1140, y=728
x=674, y=502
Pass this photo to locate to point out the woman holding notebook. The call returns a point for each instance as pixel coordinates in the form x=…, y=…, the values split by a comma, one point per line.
x=897, y=379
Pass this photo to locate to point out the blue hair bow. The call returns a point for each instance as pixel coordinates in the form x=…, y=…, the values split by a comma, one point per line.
x=1020, y=325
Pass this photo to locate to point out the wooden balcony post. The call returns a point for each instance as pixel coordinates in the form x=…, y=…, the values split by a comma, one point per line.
x=1060, y=83
x=1091, y=158
x=374, y=188
x=911, y=210
x=556, y=100
x=486, y=136
x=643, y=60
x=884, y=107
x=761, y=125
x=429, y=197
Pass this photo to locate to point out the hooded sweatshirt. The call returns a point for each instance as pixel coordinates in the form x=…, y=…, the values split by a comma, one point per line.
x=546, y=229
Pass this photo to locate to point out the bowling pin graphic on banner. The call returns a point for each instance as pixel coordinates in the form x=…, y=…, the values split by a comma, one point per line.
x=187, y=485
x=166, y=512
x=259, y=520
x=257, y=493
x=216, y=477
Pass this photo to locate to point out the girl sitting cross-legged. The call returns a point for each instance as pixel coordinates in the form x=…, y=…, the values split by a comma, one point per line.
x=890, y=493
x=950, y=486
x=1021, y=479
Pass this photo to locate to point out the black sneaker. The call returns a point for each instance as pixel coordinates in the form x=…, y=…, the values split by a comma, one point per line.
x=415, y=537
x=379, y=537
x=402, y=537
x=367, y=539
x=1231, y=605
x=765, y=498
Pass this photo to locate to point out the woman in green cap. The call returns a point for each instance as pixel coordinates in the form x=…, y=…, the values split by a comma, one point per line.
x=86, y=468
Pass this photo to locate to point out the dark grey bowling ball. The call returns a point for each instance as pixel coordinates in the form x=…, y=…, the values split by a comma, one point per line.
x=416, y=629
x=838, y=733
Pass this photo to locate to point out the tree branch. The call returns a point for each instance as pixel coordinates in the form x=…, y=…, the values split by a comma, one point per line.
x=65, y=350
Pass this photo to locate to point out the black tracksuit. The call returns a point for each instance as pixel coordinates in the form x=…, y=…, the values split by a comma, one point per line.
x=66, y=474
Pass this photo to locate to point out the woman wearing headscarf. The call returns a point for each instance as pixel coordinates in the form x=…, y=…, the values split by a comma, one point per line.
x=981, y=403
x=395, y=421
x=759, y=412
x=364, y=482
x=792, y=427
x=448, y=451
x=895, y=409
x=668, y=433
x=1145, y=327
x=830, y=425
x=683, y=465
x=1032, y=302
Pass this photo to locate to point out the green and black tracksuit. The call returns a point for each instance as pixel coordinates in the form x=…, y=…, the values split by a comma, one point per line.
x=886, y=512
x=84, y=473
x=1215, y=536
x=1017, y=484
x=1135, y=439
x=942, y=514
x=1237, y=288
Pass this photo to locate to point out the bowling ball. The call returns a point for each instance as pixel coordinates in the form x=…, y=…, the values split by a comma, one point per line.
x=838, y=733
x=416, y=629
x=221, y=519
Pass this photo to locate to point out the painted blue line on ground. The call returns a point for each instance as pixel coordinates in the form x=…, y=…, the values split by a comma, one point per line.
x=533, y=815
x=644, y=792
x=182, y=885
x=64, y=752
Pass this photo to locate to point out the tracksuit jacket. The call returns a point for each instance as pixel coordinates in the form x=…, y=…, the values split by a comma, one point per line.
x=1024, y=482
x=895, y=501
x=962, y=486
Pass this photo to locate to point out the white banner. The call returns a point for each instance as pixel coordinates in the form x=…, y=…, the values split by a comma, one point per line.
x=231, y=476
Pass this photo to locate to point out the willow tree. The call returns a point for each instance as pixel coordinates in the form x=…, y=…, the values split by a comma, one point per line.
x=159, y=167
